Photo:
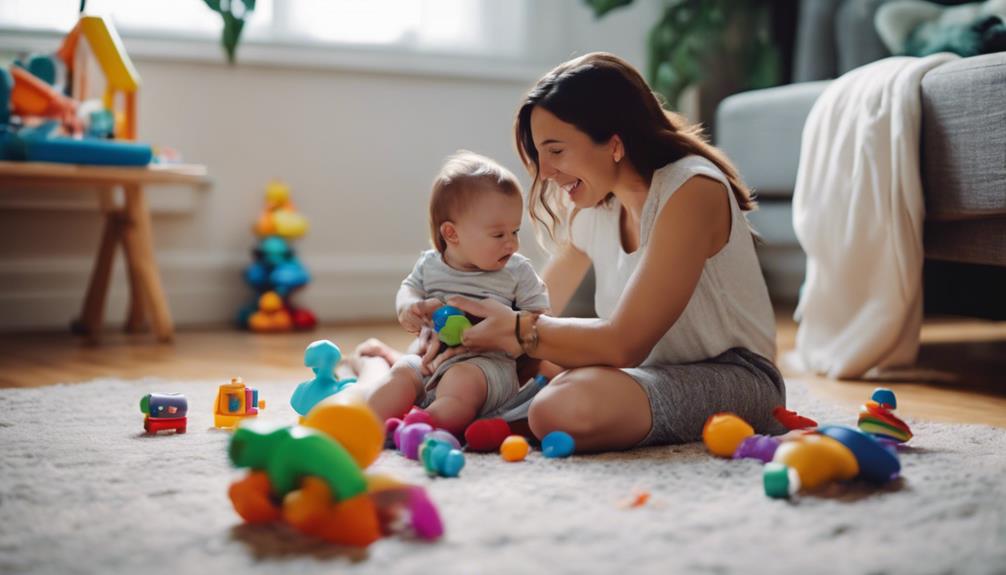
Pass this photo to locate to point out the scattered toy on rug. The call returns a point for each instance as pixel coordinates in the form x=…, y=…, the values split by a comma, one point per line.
x=235, y=402
x=811, y=456
x=514, y=448
x=164, y=411
x=311, y=477
x=321, y=356
x=557, y=444
x=416, y=438
x=876, y=417
x=792, y=420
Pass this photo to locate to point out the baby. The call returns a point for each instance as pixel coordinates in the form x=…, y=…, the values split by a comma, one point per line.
x=475, y=214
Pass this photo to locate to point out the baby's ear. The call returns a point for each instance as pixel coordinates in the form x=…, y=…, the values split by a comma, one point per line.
x=449, y=231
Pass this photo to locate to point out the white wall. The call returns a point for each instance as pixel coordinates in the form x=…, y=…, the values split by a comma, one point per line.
x=358, y=147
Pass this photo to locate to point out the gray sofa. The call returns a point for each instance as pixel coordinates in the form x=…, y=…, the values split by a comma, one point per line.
x=963, y=155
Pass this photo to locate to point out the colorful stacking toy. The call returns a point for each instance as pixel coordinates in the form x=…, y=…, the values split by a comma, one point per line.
x=876, y=417
x=276, y=272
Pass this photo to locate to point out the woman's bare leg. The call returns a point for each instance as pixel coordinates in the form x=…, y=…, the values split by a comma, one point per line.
x=602, y=408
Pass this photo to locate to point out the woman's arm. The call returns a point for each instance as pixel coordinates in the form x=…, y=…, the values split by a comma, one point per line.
x=563, y=274
x=693, y=226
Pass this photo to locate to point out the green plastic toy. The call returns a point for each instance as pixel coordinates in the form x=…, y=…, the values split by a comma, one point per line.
x=288, y=454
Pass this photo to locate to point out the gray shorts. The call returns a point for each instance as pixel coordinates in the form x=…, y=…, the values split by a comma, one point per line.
x=499, y=369
x=683, y=396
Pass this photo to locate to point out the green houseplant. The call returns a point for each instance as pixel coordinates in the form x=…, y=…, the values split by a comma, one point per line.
x=692, y=37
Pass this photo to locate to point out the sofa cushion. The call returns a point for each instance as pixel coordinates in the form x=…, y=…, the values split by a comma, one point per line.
x=964, y=138
x=761, y=130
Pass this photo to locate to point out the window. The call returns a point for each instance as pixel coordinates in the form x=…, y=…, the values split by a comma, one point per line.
x=489, y=28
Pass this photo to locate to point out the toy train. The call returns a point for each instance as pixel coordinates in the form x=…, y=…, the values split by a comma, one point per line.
x=164, y=411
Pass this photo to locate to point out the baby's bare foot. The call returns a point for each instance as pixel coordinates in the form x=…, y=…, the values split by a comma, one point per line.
x=374, y=347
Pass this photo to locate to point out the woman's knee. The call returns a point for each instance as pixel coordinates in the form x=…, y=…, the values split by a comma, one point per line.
x=564, y=406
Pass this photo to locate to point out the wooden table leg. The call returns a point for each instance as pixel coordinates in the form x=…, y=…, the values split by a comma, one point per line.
x=135, y=318
x=139, y=243
x=92, y=314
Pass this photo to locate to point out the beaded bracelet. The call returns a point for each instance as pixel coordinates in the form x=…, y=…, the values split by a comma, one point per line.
x=531, y=343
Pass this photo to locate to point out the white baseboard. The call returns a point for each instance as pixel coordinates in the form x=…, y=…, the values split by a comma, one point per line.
x=202, y=289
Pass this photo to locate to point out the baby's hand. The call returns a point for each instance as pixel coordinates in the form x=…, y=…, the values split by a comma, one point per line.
x=418, y=315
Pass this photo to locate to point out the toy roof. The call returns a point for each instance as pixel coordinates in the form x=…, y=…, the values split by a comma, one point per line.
x=106, y=45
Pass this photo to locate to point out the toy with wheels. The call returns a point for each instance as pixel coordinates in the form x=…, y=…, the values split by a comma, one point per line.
x=164, y=411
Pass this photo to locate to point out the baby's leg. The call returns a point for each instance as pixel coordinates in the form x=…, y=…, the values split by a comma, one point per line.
x=461, y=393
x=396, y=391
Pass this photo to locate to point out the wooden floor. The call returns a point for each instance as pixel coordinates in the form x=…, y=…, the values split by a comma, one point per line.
x=961, y=375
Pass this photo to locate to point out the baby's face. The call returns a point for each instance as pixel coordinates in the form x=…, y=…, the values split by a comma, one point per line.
x=487, y=231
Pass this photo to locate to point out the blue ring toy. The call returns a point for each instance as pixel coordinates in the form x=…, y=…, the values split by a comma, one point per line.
x=876, y=463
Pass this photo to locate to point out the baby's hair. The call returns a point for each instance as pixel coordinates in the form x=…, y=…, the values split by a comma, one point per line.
x=463, y=177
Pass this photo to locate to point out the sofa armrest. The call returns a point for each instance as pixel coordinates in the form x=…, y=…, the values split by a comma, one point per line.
x=964, y=138
x=760, y=131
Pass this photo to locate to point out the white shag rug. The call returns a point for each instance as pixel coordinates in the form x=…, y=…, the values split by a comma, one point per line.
x=83, y=490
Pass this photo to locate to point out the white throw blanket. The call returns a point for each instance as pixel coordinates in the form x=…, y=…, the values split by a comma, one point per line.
x=858, y=213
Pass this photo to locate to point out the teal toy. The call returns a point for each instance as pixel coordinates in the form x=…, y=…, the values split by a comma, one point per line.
x=289, y=454
x=450, y=323
x=440, y=458
x=321, y=356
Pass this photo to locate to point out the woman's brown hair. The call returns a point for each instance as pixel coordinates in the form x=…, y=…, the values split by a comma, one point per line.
x=603, y=96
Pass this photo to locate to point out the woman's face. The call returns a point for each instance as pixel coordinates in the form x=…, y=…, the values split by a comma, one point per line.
x=583, y=170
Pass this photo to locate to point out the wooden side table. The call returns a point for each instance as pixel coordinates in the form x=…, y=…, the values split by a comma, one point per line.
x=128, y=224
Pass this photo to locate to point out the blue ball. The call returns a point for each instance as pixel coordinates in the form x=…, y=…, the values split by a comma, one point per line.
x=557, y=444
x=440, y=316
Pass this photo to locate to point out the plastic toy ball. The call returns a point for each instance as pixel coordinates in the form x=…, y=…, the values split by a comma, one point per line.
x=514, y=448
x=724, y=432
x=450, y=323
x=353, y=425
x=275, y=250
x=557, y=444
x=411, y=437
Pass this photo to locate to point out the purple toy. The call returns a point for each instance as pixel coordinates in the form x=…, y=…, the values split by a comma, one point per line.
x=760, y=447
x=410, y=437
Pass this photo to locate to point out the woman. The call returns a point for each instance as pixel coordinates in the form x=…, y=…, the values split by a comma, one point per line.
x=685, y=327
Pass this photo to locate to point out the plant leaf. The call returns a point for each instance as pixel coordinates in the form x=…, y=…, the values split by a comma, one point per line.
x=602, y=7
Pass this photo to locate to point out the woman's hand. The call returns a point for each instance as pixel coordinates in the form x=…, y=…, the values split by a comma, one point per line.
x=495, y=332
